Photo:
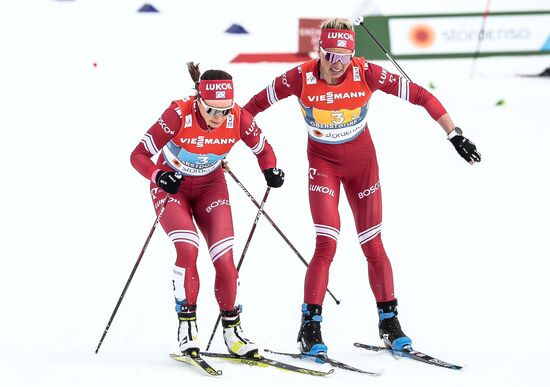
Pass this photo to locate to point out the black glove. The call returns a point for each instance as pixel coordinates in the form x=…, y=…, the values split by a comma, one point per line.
x=466, y=149
x=274, y=177
x=169, y=181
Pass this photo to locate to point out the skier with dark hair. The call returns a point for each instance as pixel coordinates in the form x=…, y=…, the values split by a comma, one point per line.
x=193, y=136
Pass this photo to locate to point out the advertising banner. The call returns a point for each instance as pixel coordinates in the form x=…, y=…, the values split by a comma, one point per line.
x=460, y=34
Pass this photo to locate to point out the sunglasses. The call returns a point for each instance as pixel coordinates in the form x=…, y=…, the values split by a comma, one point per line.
x=215, y=111
x=333, y=57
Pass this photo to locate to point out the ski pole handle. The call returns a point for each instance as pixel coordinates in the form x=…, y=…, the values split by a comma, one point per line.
x=359, y=21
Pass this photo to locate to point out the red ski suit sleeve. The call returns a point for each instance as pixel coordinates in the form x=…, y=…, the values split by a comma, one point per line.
x=254, y=138
x=152, y=142
x=378, y=78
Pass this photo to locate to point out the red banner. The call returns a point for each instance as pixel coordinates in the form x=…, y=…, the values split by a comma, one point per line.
x=308, y=35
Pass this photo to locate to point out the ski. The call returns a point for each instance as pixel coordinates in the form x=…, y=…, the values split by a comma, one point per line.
x=544, y=73
x=196, y=360
x=324, y=359
x=261, y=361
x=410, y=353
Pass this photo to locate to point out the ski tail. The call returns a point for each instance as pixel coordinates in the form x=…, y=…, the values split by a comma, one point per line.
x=325, y=359
x=196, y=360
x=258, y=360
x=410, y=353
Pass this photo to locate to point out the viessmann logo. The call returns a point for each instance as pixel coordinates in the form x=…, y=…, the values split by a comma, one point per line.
x=200, y=141
x=330, y=97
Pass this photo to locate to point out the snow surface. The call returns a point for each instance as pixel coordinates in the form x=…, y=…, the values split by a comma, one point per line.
x=469, y=244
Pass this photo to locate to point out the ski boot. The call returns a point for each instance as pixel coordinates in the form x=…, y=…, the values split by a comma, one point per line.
x=309, y=338
x=389, y=327
x=233, y=335
x=187, y=330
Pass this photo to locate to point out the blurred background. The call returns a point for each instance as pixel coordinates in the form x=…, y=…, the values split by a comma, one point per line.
x=82, y=80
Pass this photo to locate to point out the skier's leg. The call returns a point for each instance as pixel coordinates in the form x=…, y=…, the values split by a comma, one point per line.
x=212, y=211
x=178, y=223
x=362, y=187
x=324, y=190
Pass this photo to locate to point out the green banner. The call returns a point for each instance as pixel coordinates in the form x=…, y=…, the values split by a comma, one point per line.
x=456, y=35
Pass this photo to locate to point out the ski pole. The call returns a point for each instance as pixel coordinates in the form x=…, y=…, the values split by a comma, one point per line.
x=480, y=37
x=359, y=21
x=242, y=257
x=166, y=199
x=228, y=170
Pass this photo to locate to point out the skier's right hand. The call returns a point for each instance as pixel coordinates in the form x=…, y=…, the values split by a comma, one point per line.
x=169, y=181
x=466, y=149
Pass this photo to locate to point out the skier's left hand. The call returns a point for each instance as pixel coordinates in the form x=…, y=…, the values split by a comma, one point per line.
x=274, y=177
x=466, y=149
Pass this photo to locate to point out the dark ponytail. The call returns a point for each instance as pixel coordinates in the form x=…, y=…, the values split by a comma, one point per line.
x=195, y=74
x=208, y=74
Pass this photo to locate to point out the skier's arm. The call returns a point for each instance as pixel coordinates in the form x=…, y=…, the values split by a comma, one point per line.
x=285, y=85
x=379, y=78
x=156, y=137
x=253, y=137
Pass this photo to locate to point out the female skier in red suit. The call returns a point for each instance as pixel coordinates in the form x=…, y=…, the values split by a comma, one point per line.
x=334, y=92
x=193, y=135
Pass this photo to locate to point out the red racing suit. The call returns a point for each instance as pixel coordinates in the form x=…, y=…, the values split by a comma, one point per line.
x=340, y=150
x=185, y=145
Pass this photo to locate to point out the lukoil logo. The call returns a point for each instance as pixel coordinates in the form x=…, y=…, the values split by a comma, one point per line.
x=252, y=129
x=218, y=86
x=220, y=94
x=170, y=200
x=321, y=189
x=340, y=35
